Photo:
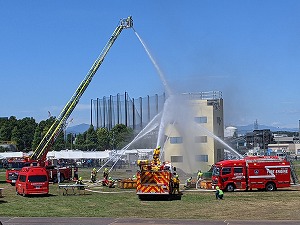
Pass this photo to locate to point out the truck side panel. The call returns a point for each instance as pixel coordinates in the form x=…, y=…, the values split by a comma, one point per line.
x=262, y=173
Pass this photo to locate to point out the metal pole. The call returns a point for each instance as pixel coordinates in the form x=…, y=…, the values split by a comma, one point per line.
x=97, y=113
x=133, y=115
x=118, y=108
x=104, y=112
x=141, y=109
x=110, y=111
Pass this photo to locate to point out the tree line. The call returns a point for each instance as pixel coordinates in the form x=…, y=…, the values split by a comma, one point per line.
x=26, y=134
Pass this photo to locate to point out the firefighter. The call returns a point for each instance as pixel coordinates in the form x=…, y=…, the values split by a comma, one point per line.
x=93, y=175
x=105, y=174
x=199, y=175
x=80, y=182
x=188, y=182
x=176, y=182
x=156, y=153
x=111, y=182
x=219, y=193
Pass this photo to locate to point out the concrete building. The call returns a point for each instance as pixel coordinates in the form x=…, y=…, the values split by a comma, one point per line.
x=191, y=143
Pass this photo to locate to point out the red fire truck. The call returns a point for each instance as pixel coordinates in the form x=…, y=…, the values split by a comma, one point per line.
x=14, y=166
x=154, y=182
x=262, y=173
x=32, y=180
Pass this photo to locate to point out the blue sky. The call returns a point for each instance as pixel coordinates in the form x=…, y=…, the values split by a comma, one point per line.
x=249, y=50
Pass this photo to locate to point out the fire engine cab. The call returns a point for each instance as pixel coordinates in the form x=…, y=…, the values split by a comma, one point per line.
x=262, y=173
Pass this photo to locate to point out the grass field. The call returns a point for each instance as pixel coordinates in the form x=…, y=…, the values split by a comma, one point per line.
x=105, y=202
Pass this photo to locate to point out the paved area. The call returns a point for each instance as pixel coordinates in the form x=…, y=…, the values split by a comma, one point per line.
x=133, y=221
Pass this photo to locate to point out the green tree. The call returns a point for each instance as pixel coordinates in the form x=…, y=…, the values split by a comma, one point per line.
x=120, y=135
x=7, y=125
x=103, y=138
x=23, y=133
x=80, y=142
x=91, y=140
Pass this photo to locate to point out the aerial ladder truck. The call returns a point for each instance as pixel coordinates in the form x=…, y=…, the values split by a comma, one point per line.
x=40, y=153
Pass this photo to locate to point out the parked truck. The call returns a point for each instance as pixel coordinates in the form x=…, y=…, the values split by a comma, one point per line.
x=32, y=180
x=257, y=172
x=15, y=165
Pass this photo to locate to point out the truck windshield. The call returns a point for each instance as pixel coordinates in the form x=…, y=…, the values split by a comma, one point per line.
x=37, y=178
x=216, y=171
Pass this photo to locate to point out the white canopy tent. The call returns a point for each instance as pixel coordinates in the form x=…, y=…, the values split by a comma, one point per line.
x=76, y=154
x=11, y=155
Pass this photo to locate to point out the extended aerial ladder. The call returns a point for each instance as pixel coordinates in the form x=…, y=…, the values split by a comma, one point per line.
x=58, y=125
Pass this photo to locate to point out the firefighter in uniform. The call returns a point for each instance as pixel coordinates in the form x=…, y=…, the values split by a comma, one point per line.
x=156, y=153
x=188, y=182
x=219, y=193
x=111, y=182
x=105, y=181
x=175, y=181
x=80, y=182
x=199, y=175
x=93, y=175
x=105, y=174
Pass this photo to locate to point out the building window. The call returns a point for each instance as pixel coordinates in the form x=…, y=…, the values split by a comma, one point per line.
x=202, y=158
x=201, y=119
x=176, y=140
x=177, y=158
x=201, y=139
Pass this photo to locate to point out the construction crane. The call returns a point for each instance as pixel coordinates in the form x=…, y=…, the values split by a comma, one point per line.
x=42, y=149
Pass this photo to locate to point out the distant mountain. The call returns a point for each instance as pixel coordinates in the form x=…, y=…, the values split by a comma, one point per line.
x=78, y=129
x=81, y=128
x=250, y=128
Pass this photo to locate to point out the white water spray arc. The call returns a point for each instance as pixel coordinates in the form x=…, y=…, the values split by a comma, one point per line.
x=161, y=75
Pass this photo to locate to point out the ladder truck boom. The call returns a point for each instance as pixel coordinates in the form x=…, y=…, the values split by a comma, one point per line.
x=60, y=122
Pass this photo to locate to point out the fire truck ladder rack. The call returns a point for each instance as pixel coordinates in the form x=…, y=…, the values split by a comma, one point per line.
x=60, y=122
x=264, y=160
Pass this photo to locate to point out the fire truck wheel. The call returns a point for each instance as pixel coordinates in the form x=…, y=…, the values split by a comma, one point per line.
x=230, y=188
x=270, y=187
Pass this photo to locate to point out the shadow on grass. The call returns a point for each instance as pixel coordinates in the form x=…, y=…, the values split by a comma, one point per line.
x=2, y=201
x=160, y=197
